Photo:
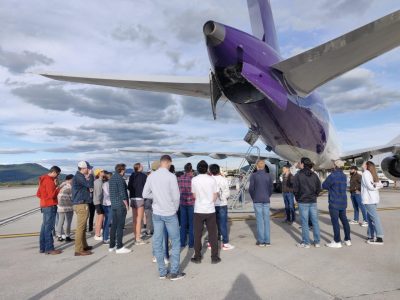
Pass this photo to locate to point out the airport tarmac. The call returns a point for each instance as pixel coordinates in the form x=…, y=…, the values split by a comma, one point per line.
x=281, y=271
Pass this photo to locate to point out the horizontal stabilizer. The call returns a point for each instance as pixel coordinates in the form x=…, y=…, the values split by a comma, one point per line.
x=185, y=86
x=266, y=85
x=311, y=69
x=215, y=155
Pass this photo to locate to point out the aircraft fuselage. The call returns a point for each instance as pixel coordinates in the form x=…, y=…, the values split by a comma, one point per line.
x=292, y=126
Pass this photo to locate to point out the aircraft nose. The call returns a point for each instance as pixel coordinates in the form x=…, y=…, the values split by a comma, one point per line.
x=214, y=33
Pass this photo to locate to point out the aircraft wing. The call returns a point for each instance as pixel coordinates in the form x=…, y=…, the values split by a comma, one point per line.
x=215, y=155
x=311, y=69
x=185, y=86
x=393, y=146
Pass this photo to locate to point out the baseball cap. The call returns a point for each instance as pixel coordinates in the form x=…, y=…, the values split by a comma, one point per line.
x=97, y=172
x=84, y=165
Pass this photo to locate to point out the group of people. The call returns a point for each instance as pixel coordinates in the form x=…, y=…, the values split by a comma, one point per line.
x=176, y=208
x=305, y=187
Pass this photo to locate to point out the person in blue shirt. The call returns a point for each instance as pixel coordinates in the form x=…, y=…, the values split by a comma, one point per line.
x=260, y=191
x=336, y=184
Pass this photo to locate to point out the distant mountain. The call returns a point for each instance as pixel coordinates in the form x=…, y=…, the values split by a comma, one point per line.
x=22, y=173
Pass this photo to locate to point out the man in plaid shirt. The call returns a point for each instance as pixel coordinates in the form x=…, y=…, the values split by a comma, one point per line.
x=186, y=206
x=336, y=184
x=119, y=206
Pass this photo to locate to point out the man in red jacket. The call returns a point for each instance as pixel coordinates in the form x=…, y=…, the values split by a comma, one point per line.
x=47, y=193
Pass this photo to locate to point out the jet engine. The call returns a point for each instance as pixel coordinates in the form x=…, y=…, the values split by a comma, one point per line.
x=391, y=167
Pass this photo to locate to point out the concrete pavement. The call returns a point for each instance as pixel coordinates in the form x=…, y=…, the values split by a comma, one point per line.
x=282, y=271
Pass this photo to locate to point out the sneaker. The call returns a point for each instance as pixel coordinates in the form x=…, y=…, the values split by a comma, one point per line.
x=267, y=244
x=60, y=239
x=364, y=224
x=333, y=244
x=378, y=241
x=68, y=239
x=227, y=247
x=166, y=261
x=347, y=243
x=154, y=259
x=317, y=245
x=140, y=242
x=216, y=260
x=260, y=244
x=123, y=250
x=353, y=222
x=208, y=246
x=98, y=238
x=164, y=276
x=302, y=245
x=106, y=242
x=112, y=249
x=175, y=277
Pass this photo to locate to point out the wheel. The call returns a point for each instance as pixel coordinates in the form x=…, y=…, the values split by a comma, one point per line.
x=385, y=183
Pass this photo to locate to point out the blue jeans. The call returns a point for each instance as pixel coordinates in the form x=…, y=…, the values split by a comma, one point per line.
x=288, y=199
x=374, y=222
x=46, y=232
x=357, y=204
x=117, y=227
x=337, y=214
x=172, y=226
x=262, y=218
x=309, y=211
x=222, y=222
x=106, y=222
x=186, y=217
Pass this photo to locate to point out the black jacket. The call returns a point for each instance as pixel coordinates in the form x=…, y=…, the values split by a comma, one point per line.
x=136, y=184
x=306, y=186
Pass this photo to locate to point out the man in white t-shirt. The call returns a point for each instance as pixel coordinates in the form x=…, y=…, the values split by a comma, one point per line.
x=221, y=206
x=205, y=192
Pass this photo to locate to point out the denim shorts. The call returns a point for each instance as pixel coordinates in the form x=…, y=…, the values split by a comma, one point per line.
x=137, y=203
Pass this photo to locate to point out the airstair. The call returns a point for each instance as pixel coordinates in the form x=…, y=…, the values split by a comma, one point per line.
x=251, y=158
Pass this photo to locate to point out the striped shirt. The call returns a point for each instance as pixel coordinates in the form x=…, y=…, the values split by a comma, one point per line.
x=336, y=184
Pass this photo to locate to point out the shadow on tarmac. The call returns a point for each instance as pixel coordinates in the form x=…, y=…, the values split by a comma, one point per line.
x=242, y=289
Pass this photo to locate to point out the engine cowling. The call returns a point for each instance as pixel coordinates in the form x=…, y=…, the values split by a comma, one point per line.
x=391, y=167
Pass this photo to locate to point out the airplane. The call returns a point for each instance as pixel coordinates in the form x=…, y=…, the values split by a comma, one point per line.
x=276, y=97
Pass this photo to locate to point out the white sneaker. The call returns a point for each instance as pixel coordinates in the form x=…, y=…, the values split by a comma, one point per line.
x=112, y=249
x=333, y=244
x=364, y=224
x=140, y=242
x=353, y=222
x=227, y=247
x=302, y=245
x=123, y=250
x=98, y=238
x=347, y=243
x=317, y=245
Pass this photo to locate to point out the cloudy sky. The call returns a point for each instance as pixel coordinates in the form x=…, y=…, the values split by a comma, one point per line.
x=52, y=122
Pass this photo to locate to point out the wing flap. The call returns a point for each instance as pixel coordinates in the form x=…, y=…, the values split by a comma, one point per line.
x=311, y=69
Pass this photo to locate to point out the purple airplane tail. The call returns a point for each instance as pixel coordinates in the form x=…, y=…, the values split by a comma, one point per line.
x=262, y=22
